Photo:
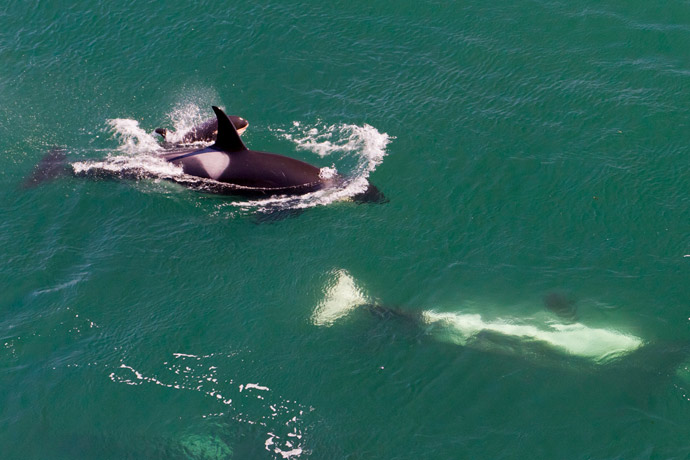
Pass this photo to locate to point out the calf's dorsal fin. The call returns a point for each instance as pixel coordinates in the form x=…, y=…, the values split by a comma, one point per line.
x=227, y=140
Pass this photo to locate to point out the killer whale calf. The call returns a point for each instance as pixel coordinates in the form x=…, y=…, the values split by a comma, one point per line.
x=205, y=131
x=227, y=167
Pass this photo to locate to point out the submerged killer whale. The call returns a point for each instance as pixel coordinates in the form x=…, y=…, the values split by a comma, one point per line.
x=543, y=336
x=635, y=367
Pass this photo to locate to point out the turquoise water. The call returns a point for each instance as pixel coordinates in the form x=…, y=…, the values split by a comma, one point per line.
x=525, y=149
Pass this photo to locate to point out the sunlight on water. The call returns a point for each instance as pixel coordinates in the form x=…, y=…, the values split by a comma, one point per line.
x=252, y=403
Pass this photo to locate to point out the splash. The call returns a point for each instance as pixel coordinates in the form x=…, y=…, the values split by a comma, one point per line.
x=132, y=138
x=184, y=118
x=600, y=345
x=136, y=156
x=136, y=167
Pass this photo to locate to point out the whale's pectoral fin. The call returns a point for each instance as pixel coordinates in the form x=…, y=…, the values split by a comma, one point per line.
x=228, y=140
x=51, y=166
x=371, y=195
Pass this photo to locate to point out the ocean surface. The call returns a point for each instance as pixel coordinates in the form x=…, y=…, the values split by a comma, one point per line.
x=521, y=293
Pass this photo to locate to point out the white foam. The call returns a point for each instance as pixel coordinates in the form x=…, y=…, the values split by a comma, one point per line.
x=133, y=139
x=341, y=297
x=576, y=339
x=139, y=165
x=366, y=143
x=328, y=173
x=269, y=445
x=255, y=386
x=138, y=155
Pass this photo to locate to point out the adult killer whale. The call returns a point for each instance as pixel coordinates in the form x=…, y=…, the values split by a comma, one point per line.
x=249, y=172
x=232, y=168
x=238, y=170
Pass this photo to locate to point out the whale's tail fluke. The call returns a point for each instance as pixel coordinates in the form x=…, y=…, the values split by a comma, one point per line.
x=51, y=166
x=342, y=295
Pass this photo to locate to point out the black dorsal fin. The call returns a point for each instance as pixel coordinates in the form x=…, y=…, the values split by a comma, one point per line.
x=227, y=140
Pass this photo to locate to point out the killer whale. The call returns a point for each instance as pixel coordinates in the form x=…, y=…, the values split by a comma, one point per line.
x=544, y=336
x=247, y=172
x=227, y=167
x=206, y=131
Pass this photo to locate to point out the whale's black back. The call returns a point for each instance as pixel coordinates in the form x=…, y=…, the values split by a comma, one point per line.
x=230, y=161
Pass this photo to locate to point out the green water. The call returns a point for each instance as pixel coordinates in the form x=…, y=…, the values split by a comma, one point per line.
x=525, y=148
